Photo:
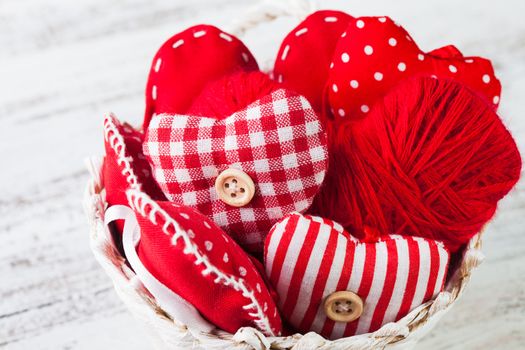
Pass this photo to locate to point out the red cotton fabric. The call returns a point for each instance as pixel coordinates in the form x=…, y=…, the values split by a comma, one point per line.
x=344, y=65
x=194, y=258
x=124, y=164
x=307, y=258
x=303, y=61
x=186, y=62
x=278, y=141
x=374, y=54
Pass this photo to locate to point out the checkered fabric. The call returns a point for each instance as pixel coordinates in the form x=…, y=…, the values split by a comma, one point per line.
x=278, y=141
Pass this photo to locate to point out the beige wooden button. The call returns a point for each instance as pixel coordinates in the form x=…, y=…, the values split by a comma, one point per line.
x=235, y=187
x=343, y=306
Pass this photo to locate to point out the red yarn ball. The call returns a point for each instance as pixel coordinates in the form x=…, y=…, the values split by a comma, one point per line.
x=431, y=160
x=221, y=98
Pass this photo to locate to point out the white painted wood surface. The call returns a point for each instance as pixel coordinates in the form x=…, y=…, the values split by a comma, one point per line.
x=64, y=63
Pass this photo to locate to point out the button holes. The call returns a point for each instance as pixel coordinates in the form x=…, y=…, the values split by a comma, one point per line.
x=337, y=303
x=234, y=181
x=227, y=185
x=233, y=195
x=242, y=190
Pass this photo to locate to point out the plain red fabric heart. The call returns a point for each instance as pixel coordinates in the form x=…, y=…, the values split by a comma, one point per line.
x=194, y=258
x=308, y=258
x=278, y=141
x=304, y=58
x=375, y=54
x=125, y=165
x=186, y=62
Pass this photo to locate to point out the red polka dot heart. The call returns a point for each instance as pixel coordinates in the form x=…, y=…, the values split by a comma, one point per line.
x=371, y=56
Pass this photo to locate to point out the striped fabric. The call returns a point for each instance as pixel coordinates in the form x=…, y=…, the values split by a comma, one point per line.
x=307, y=258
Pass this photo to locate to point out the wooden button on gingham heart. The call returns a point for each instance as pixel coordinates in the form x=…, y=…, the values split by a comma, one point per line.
x=374, y=54
x=278, y=141
x=308, y=258
x=194, y=258
x=186, y=62
x=305, y=54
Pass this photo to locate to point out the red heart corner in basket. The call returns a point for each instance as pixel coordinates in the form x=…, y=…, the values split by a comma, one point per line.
x=194, y=258
x=374, y=54
x=308, y=258
x=277, y=141
x=186, y=62
x=125, y=165
x=300, y=70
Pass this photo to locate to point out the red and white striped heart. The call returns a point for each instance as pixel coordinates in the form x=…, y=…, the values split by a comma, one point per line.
x=308, y=258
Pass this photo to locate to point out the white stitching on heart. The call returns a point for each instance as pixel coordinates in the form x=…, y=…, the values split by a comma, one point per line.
x=178, y=43
x=199, y=34
x=301, y=31
x=285, y=52
x=157, y=64
x=116, y=141
x=226, y=37
x=148, y=208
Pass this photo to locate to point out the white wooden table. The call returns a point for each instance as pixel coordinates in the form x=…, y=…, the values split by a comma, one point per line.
x=64, y=63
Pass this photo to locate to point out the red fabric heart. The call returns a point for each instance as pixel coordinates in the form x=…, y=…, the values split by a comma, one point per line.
x=125, y=165
x=194, y=258
x=307, y=258
x=303, y=60
x=278, y=141
x=374, y=54
x=187, y=62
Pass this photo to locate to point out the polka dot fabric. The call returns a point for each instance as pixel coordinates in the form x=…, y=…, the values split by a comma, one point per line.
x=300, y=70
x=194, y=258
x=374, y=54
x=186, y=62
x=307, y=258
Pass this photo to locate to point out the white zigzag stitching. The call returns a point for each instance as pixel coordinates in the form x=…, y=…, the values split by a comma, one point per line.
x=139, y=201
x=116, y=141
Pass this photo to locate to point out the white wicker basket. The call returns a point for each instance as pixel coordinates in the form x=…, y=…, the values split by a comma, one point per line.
x=172, y=334
x=168, y=333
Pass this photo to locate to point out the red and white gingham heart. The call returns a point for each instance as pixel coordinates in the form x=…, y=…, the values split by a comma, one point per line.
x=307, y=258
x=278, y=141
